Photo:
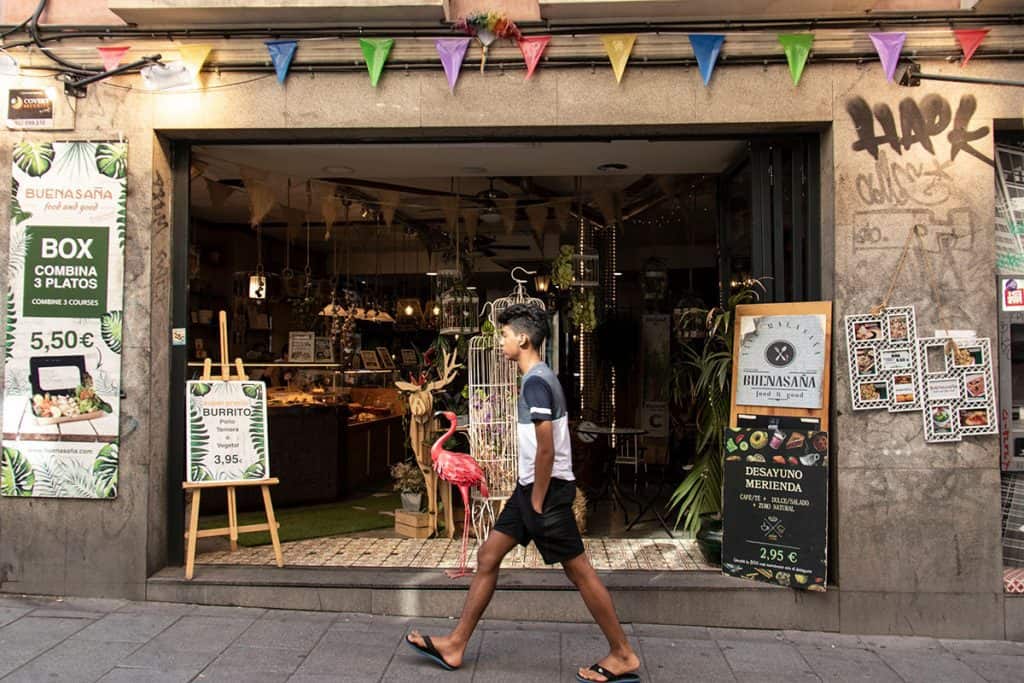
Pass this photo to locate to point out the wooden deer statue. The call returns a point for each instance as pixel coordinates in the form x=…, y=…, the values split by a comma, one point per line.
x=421, y=409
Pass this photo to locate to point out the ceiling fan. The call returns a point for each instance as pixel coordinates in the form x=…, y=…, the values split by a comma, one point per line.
x=488, y=199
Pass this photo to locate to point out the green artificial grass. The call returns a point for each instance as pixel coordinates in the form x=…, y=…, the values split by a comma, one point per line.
x=315, y=521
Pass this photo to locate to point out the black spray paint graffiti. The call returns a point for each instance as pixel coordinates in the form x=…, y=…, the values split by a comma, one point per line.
x=918, y=124
x=900, y=183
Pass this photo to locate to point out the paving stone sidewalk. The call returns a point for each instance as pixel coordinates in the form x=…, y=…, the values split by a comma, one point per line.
x=49, y=639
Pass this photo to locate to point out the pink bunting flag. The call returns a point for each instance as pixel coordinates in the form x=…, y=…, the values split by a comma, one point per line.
x=969, y=40
x=112, y=55
x=452, y=51
x=533, y=48
x=889, y=46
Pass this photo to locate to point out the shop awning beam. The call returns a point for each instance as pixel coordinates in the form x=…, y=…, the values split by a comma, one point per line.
x=912, y=78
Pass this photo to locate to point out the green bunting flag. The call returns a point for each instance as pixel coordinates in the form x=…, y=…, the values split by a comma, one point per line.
x=797, y=47
x=375, y=51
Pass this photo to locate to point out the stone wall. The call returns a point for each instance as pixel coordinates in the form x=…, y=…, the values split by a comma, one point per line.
x=917, y=526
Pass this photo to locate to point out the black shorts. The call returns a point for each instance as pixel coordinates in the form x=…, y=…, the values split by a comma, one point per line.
x=554, y=531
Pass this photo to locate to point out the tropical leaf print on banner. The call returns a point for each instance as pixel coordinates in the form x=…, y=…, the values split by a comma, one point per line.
x=34, y=158
x=104, y=471
x=258, y=434
x=18, y=215
x=122, y=216
x=73, y=479
x=252, y=391
x=257, y=470
x=76, y=159
x=111, y=326
x=16, y=475
x=10, y=326
x=112, y=159
x=199, y=440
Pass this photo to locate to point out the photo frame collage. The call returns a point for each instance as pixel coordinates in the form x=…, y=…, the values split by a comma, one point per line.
x=959, y=393
x=883, y=360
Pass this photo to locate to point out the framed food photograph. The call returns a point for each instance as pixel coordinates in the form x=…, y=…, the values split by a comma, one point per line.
x=898, y=328
x=883, y=360
x=868, y=330
x=410, y=357
x=961, y=401
x=385, y=358
x=369, y=360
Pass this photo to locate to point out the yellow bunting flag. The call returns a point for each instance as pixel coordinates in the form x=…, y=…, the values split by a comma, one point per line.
x=470, y=217
x=194, y=56
x=619, y=47
x=261, y=198
x=537, y=214
x=562, y=207
x=218, y=192
x=330, y=209
x=450, y=209
x=507, y=209
x=388, y=204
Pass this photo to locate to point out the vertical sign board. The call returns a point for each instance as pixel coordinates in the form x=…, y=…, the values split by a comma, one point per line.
x=775, y=507
x=227, y=431
x=63, y=330
x=1011, y=319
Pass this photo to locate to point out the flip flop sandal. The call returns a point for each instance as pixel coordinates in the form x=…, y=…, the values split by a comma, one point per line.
x=629, y=677
x=428, y=650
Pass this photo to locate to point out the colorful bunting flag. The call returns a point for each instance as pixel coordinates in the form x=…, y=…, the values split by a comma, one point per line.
x=194, y=56
x=507, y=209
x=376, y=51
x=706, y=48
x=888, y=46
x=388, y=203
x=562, y=207
x=797, y=47
x=969, y=40
x=330, y=209
x=450, y=209
x=281, y=54
x=537, y=214
x=532, y=49
x=218, y=192
x=619, y=47
x=452, y=51
x=111, y=56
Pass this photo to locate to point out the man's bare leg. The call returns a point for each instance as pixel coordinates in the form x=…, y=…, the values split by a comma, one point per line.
x=621, y=657
x=488, y=562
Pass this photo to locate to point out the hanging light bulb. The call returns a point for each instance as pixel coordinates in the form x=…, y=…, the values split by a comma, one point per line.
x=408, y=310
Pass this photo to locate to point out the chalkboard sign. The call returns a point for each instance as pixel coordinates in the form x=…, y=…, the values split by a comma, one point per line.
x=775, y=507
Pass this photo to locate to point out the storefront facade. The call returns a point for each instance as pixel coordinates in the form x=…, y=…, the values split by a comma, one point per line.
x=914, y=528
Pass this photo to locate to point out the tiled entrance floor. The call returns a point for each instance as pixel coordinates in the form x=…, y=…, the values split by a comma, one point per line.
x=655, y=554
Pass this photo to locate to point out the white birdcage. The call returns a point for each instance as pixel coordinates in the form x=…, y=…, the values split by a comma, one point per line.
x=459, y=313
x=493, y=416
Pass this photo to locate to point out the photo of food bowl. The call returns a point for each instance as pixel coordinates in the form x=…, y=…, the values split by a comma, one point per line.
x=898, y=328
x=975, y=385
x=865, y=361
x=873, y=391
x=973, y=418
x=867, y=331
x=942, y=419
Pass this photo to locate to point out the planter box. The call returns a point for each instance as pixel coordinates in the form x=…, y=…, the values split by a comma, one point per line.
x=412, y=524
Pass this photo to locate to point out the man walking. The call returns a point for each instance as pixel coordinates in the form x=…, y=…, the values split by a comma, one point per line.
x=540, y=509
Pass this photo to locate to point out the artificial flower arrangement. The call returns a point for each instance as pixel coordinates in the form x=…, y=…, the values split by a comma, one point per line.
x=488, y=27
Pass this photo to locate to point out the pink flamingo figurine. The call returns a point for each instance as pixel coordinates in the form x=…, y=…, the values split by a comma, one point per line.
x=463, y=471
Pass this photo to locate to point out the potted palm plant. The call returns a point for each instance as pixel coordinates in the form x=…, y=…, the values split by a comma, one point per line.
x=702, y=377
x=409, y=481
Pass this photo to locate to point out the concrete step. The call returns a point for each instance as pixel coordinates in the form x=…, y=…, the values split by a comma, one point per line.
x=696, y=598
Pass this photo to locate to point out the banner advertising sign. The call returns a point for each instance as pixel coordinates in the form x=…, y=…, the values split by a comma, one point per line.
x=29, y=109
x=781, y=361
x=775, y=507
x=63, y=333
x=227, y=431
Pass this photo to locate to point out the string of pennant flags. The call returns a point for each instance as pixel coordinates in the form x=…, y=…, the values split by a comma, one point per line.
x=452, y=52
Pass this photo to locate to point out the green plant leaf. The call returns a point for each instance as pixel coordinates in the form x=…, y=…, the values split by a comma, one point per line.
x=199, y=439
x=34, y=158
x=259, y=438
x=201, y=389
x=122, y=216
x=105, y=470
x=47, y=485
x=75, y=478
x=10, y=326
x=252, y=391
x=200, y=473
x=111, y=327
x=112, y=159
x=257, y=470
x=16, y=475
x=17, y=214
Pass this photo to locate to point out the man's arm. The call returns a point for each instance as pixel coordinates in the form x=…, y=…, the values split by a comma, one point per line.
x=544, y=463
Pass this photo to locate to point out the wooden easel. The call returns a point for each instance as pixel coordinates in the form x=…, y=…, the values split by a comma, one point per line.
x=232, y=529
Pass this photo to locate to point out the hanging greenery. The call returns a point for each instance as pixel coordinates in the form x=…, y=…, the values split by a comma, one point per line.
x=561, y=268
x=583, y=311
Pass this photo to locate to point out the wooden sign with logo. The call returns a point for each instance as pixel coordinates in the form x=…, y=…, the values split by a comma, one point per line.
x=781, y=361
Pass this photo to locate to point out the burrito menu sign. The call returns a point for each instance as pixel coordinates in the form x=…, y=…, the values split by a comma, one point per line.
x=781, y=361
x=63, y=322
